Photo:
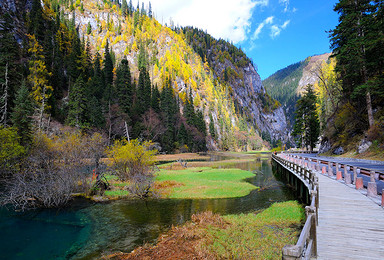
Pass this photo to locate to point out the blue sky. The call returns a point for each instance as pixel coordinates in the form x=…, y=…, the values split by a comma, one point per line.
x=273, y=33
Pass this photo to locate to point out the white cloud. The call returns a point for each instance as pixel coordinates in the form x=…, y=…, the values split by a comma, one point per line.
x=276, y=29
x=225, y=19
x=285, y=3
x=259, y=28
x=285, y=24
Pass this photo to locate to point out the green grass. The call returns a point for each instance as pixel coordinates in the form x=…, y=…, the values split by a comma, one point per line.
x=257, y=236
x=206, y=182
x=116, y=193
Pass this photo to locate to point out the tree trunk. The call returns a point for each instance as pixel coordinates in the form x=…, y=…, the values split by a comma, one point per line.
x=4, y=98
x=369, y=109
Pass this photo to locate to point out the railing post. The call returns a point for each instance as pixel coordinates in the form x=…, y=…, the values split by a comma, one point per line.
x=310, y=211
x=330, y=171
x=382, y=197
x=372, y=186
x=354, y=174
x=317, y=165
x=292, y=252
x=347, y=176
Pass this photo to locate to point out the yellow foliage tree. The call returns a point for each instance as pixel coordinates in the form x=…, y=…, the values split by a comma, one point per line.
x=37, y=77
x=131, y=158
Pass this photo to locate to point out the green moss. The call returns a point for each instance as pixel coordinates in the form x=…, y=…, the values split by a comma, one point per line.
x=206, y=182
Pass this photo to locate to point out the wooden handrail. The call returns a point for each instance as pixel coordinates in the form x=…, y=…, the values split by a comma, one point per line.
x=306, y=246
x=364, y=171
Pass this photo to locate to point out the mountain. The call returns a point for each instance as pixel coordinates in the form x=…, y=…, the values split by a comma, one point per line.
x=218, y=79
x=286, y=85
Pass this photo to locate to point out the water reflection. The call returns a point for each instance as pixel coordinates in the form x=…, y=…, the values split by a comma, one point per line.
x=87, y=232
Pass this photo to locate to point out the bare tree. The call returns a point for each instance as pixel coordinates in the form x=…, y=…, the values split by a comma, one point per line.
x=52, y=172
x=154, y=127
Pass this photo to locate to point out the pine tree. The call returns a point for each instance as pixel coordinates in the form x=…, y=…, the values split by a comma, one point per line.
x=36, y=21
x=169, y=109
x=142, y=59
x=143, y=12
x=130, y=8
x=108, y=66
x=22, y=115
x=124, y=86
x=143, y=91
x=350, y=36
x=150, y=10
x=108, y=73
x=155, y=99
x=212, y=130
x=77, y=104
x=307, y=125
x=124, y=8
x=89, y=28
x=9, y=69
x=182, y=136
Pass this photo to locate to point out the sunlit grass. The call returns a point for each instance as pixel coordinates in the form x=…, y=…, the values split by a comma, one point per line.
x=206, y=182
x=256, y=236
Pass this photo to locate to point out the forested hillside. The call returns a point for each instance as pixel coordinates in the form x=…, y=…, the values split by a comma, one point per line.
x=99, y=66
x=287, y=85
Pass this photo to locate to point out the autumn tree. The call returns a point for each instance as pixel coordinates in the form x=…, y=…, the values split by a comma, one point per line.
x=38, y=78
x=11, y=151
x=134, y=161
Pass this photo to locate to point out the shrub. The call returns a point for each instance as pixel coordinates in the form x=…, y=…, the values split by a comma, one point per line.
x=134, y=161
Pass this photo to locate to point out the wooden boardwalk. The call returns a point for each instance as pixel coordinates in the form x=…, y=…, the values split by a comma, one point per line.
x=350, y=225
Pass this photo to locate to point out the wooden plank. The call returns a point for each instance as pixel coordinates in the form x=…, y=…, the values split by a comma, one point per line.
x=350, y=224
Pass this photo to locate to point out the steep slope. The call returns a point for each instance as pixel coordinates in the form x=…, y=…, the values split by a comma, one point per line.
x=286, y=85
x=169, y=52
x=232, y=67
x=226, y=91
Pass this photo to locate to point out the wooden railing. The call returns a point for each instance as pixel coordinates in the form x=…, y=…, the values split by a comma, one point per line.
x=378, y=175
x=306, y=246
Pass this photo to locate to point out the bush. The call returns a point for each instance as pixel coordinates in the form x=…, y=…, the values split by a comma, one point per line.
x=51, y=172
x=134, y=161
x=10, y=151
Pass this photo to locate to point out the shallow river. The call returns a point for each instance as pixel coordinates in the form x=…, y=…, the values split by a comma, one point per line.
x=87, y=230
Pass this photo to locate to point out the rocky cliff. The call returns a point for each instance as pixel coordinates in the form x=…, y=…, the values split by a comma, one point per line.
x=286, y=85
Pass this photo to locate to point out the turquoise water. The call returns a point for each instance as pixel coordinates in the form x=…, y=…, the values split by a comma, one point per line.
x=87, y=230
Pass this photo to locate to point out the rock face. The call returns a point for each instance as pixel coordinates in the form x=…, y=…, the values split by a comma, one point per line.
x=339, y=150
x=309, y=77
x=325, y=146
x=249, y=97
x=363, y=146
